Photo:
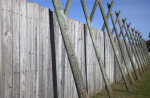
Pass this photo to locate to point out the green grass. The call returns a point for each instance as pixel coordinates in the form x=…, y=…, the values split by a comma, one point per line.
x=141, y=89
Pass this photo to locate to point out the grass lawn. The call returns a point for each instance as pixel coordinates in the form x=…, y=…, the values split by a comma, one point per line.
x=141, y=89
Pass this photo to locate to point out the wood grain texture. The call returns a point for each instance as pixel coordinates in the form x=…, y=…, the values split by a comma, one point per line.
x=2, y=67
x=48, y=56
x=94, y=76
x=29, y=68
x=23, y=48
x=109, y=59
x=36, y=50
x=16, y=48
x=32, y=50
x=42, y=84
x=7, y=48
x=118, y=75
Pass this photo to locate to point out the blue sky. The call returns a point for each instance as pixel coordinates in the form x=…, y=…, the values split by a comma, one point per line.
x=136, y=11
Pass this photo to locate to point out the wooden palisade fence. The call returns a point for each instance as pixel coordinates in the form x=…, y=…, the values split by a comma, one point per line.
x=44, y=54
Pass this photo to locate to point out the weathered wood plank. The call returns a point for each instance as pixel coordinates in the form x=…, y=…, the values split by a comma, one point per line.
x=100, y=41
x=1, y=74
x=29, y=67
x=118, y=73
x=45, y=51
x=72, y=34
x=93, y=71
x=89, y=60
x=107, y=54
x=23, y=48
x=7, y=48
x=16, y=49
x=36, y=49
x=130, y=51
x=49, y=58
x=2, y=67
x=42, y=67
x=111, y=60
x=58, y=43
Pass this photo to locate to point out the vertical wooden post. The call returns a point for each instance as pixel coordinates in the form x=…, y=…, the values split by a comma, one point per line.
x=70, y=50
x=113, y=44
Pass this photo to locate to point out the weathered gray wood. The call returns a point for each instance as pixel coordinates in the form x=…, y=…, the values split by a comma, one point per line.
x=73, y=34
x=36, y=49
x=48, y=56
x=16, y=49
x=77, y=36
x=90, y=63
x=45, y=53
x=23, y=48
x=99, y=79
x=7, y=48
x=58, y=52
x=70, y=50
x=25, y=54
x=136, y=51
x=100, y=62
x=113, y=44
x=29, y=67
x=94, y=76
x=130, y=51
x=2, y=67
x=1, y=74
x=117, y=70
x=109, y=59
x=133, y=50
x=42, y=84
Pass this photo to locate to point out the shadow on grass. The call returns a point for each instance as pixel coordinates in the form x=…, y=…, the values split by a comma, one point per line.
x=119, y=90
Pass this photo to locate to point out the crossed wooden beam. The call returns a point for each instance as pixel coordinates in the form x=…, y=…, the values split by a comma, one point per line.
x=137, y=45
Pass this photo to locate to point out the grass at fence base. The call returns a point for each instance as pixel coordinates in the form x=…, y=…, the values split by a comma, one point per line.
x=141, y=89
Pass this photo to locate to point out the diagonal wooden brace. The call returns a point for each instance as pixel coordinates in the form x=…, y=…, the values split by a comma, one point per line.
x=135, y=49
x=100, y=62
x=139, y=49
x=127, y=48
x=108, y=14
x=143, y=47
x=67, y=7
x=81, y=90
x=120, y=47
x=116, y=52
